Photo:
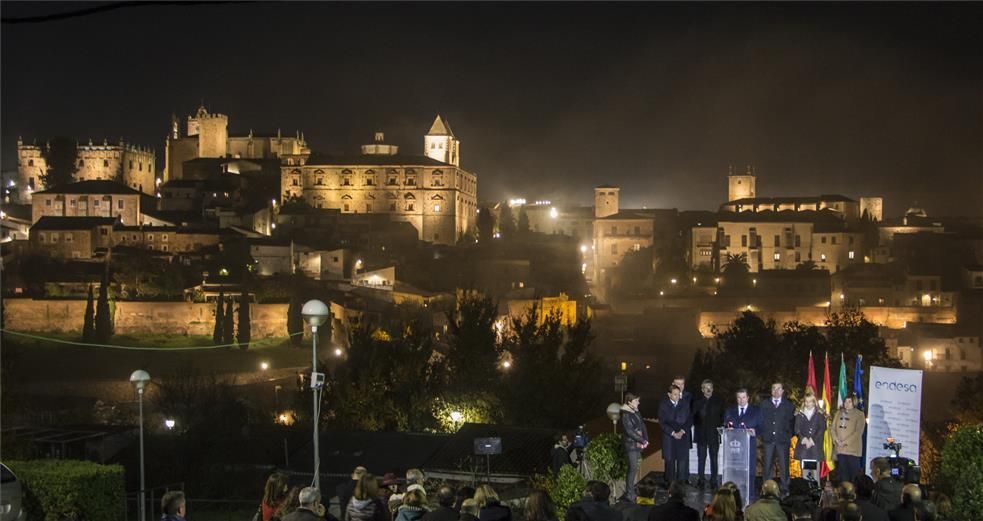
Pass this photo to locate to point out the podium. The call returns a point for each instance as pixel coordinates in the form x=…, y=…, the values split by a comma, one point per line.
x=737, y=451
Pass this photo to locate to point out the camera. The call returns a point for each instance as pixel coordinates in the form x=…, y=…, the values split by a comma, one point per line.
x=894, y=445
x=580, y=439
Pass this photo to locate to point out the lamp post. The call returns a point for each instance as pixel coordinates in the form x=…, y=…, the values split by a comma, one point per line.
x=140, y=379
x=315, y=313
x=614, y=414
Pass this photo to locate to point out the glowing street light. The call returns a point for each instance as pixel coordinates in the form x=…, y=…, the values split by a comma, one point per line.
x=506, y=364
x=554, y=213
x=583, y=248
x=337, y=351
x=140, y=379
x=456, y=416
x=673, y=281
x=264, y=366
x=316, y=313
x=169, y=423
x=927, y=355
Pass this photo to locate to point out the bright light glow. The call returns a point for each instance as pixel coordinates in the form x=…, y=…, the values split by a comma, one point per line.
x=264, y=365
x=169, y=423
x=507, y=364
x=842, y=296
x=754, y=282
x=554, y=213
x=337, y=351
x=716, y=280
x=10, y=183
x=358, y=263
x=583, y=248
x=274, y=202
x=456, y=416
x=517, y=202
x=661, y=293
x=283, y=418
x=496, y=235
x=672, y=281
x=583, y=268
x=273, y=225
x=927, y=355
x=694, y=280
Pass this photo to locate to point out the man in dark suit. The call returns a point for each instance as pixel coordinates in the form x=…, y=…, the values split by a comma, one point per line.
x=912, y=508
x=708, y=415
x=674, y=509
x=777, y=425
x=864, y=487
x=674, y=420
x=744, y=415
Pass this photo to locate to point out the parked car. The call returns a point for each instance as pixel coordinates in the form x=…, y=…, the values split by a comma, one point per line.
x=11, y=494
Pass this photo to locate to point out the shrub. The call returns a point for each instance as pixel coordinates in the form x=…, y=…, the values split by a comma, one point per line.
x=606, y=457
x=68, y=489
x=962, y=472
x=567, y=489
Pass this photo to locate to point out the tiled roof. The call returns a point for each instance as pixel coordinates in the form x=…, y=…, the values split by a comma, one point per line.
x=91, y=187
x=374, y=160
x=72, y=223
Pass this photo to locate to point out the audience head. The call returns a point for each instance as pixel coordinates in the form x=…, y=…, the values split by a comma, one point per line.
x=880, y=468
x=276, y=488
x=800, y=510
x=470, y=506
x=799, y=487
x=463, y=493
x=414, y=498
x=851, y=512
x=770, y=488
x=598, y=491
x=309, y=497
x=173, y=503
x=485, y=495
x=415, y=477
x=724, y=505
x=864, y=486
x=446, y=496
x=646, y=488
x=367, y=487
x=846, y=492
x=677, y=490
x=911, y=494
x=736, y=492
x=359, y=472
x=539, y=507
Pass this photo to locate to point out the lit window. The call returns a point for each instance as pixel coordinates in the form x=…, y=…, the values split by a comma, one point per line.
x=822, y=257
x=778, y=256
x=850, y=254
x=436, y=208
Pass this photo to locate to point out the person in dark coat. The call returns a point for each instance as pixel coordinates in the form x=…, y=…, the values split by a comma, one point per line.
x=446, y=498
x=540, y=507
x=744, y=415
x=469, y=510
x=687, y=398
x=310, y=508
x=708, y=415
x=912, y=508
x=366, y=504
x=810, y=426
x=594, y=506
x=864, y=487
x=413, y=507
x=674, y=420
x=492, y=508
x=674, y=509
x=636, y=438
x=887, y=489
x=777, y=424
x=561, y=454
x=173, y=506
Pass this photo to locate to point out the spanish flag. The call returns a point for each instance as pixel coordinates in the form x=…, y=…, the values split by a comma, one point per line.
x=827, y=464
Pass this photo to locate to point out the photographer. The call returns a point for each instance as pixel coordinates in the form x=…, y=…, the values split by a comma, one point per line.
x=887, y=489
x=561, y=453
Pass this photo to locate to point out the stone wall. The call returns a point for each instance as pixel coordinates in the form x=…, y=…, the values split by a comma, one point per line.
x=170, y=318
x=889, y=317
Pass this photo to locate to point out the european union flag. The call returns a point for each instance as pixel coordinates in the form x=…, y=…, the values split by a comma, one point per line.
x=858, y=383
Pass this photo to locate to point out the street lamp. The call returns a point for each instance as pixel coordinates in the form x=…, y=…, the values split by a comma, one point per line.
x=614, y=413
x=264, y=366
x=140, y=379
x=169, y=423
x=456, y=416
x=315, y=313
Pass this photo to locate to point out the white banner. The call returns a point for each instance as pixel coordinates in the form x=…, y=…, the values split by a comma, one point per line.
x=894, y=410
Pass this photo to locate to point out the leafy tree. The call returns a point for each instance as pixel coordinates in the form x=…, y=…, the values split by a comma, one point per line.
x=506, y=223
x=228, y=325
x=806, y=265
x=104, y=319
x=219, y=319
x=634, y=272
x=967, y=404
x=244, y=333
x=486, y=225
x=472, y=351
x=962, y=472
x=89, y=319
x=60, y=155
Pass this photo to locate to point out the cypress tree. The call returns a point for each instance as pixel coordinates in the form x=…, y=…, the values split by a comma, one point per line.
x=219, y=319
x=244, y=326
x=228, y=327
x=89, y=321
x=104, y=321
x=295, y=323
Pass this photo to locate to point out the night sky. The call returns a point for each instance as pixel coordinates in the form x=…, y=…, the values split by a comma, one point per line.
x=548, y=100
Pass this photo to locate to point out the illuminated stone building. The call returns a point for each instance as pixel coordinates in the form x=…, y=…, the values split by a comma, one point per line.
x=131, y=165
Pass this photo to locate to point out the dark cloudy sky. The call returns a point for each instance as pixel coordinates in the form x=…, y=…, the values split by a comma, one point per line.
x=547, y=99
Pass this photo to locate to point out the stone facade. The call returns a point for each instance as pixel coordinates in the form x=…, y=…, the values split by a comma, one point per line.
x=168, y=318
x=134, y=166
x=439, y=199
x=207, y=136
x=88, y=199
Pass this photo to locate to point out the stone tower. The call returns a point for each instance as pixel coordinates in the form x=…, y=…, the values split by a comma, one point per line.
x=212, y=131
x=741, y=186
x=606, y=200
x=874, y=206
x=440, y=143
